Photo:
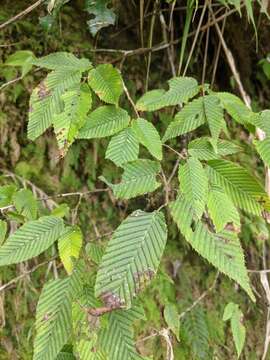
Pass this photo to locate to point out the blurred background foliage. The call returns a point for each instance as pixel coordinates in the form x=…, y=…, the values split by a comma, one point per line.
x=134, y=26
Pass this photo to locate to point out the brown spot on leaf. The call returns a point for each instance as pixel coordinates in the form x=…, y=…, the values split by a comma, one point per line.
x=233, y=228
x=111, y=300
x=43, y=91
x=142, y=278
x=46, y=317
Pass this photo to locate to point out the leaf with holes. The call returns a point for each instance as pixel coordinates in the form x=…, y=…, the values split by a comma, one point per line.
x=148, y=136
x=181, y=89
x=46, y=102
x=31, y=239
x=104, y=121
x=77, y=103
x=132, y=257
x=188, y=119
x=103, y=16
x=139, y=178
x=106, y=82
x=194, y=184
x=123, y=147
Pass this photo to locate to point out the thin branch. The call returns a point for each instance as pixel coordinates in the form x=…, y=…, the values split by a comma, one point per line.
x=13, y=81
x=162, y=46
x=205, y=52
x=174, y=170
x=57, y=196
x=16, y=279
x=166, y=188
x=173, y=150
x=21, y=14
x=130, y=100
x=218, y=52
x=200, y=298
x=196, y=37
x=265, y=271
x=165, y=38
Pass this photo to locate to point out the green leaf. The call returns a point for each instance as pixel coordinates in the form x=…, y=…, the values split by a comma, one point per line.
x=6, y=195
x=194, y=330
x=194, y=184
x=61, y=211
x=235, y=107
x=235, y=315
x=202, y=149
x=103, y=16
x=182, y=214
x=46, y=102
x=181, y=89
x=3, y=231
x=68, y=123
x=263, y=148
x=132, y=257
x=224, y=251
x=54, y=316
x=222, y=210
x=87, y=350
x=188, y=119
x=214, y=117
x=106, y=82
x=30, y=240
x=244, y=190
x=65, y=356
x=26, y=204
x=123, y=147
x=65, y=61
x=172, y=319
x=262, y=121
x=104, y=121
x=22, y=58
x=117, y=338
x=150, y=100
x=69, y=246
x=94, y=251
x=147, y=135
x=139, y=178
